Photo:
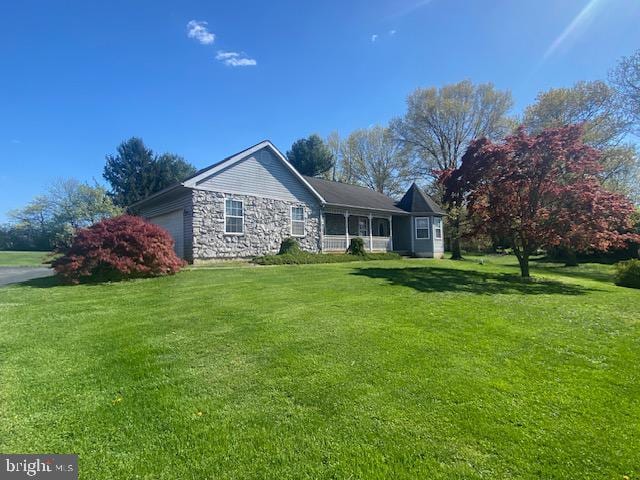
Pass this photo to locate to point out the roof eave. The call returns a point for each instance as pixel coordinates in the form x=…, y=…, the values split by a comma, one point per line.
x=156, y=195
x=342, y=205
x=440, y=214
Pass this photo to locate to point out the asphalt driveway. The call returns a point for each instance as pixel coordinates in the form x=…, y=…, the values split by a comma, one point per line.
x=10, y=275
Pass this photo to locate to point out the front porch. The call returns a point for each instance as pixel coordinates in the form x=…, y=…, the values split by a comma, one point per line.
x=340, y=243
x=339, y=227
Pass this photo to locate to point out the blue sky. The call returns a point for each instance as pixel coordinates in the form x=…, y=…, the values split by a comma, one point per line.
x=78, y=77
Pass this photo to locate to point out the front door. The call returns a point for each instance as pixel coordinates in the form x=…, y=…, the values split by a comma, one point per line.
x=362, y=227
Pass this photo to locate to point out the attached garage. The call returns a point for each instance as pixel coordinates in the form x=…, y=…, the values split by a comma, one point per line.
x=173, y=223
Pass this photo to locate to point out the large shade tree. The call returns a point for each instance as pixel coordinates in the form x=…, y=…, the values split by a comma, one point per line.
x=593, y=104
x=334, y=144
x=51, y=219
x=625, y=78
x=540, y=190
x=344, y=151
x=311, y=156
x=378, y=162
x=30, y=227
x=135, y=172
x=169, y=169
x=439, y=125
x=597, y=107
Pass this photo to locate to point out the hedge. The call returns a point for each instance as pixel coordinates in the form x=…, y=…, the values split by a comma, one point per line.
x=308, y=258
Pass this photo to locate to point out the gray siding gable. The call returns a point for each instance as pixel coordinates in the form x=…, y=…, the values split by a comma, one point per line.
x=260, y=174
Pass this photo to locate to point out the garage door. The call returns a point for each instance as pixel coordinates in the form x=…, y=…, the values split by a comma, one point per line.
x=172, y=223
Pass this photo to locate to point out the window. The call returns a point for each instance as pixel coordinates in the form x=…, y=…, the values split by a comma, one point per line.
x=437, y=228
x=233, y=217
x=363, y=231
x=422, y=228
x=297, y=221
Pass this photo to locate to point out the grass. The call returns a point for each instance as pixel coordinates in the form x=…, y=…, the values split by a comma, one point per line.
x=397, y=369
x=23, y=259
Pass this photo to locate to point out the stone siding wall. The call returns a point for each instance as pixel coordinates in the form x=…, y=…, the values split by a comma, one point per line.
x=267, y=222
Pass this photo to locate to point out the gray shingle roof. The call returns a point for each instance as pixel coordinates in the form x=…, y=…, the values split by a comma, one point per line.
x=343, y=194
x=416, y=201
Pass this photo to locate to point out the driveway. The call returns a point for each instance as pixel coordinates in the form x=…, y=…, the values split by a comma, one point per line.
x=22, y=274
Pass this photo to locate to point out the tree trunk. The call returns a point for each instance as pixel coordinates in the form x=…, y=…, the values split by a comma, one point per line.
x=523, y=260
x=570, y=257
x=456, y=253
x=524, y=266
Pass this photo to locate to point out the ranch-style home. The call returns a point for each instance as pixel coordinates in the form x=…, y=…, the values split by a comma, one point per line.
x=245, y=205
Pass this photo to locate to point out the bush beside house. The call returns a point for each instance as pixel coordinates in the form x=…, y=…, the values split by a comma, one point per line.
x=356, y=247
x=289, y=246
x=118, y=248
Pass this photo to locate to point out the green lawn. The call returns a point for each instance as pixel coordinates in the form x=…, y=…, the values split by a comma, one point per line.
x=22, y=259
x=413, y=369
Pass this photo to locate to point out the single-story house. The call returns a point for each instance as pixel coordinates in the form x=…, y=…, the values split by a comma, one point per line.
x=245, y=205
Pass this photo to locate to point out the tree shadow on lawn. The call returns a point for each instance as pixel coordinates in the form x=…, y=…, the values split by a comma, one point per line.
x=54, y=281
x=595, y=271
x=43, y=282
x=436, y=279
x=578, y=272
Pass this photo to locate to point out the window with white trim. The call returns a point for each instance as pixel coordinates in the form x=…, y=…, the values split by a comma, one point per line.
x=437, y=228
x=422, y=228
x=297, y=221
x=233, y=216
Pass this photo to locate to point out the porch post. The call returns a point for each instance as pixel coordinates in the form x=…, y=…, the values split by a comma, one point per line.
x=390, y=233
x=370, y=233
x=413, y=235
x=322, y=224
x=346, y=226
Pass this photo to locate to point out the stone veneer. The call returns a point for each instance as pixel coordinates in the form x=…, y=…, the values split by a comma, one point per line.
x=267, y=222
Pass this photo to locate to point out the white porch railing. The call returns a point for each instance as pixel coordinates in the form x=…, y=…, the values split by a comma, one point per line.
x=334, y=243
x=338, y=243
x=380, y=244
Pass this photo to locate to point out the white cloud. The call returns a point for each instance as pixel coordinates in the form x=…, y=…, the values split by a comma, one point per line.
x=392, y=32
x=235, y=59
x=222, y=55
x=198, y=30
x=374, y=37
x=241, y=62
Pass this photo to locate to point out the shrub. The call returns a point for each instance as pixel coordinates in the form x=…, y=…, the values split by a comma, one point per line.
x=308, y=258
x=628, y=273
x=356, y=247
x=118, y=248
x=289, y=245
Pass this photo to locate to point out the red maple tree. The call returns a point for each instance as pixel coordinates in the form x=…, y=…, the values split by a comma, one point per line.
x=117, y=248
x=539, y=191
